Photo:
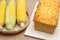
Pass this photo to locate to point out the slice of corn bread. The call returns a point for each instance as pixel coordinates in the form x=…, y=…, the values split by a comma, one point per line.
x=46, y=16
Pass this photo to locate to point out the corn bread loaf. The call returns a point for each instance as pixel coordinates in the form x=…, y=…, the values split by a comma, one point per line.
x=46, y=16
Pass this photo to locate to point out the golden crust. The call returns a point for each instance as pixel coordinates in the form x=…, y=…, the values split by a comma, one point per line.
x=46, y=15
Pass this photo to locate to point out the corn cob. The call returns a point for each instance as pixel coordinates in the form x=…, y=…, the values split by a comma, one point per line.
x=2, y=12
x=10, y=20
x=21, y=12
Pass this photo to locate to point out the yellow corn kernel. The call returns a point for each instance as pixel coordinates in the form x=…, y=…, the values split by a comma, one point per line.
x=2, y=12
x=10, y=20
x=21, y=12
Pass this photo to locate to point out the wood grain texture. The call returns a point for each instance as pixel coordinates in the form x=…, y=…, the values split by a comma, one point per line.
x=30, y=6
